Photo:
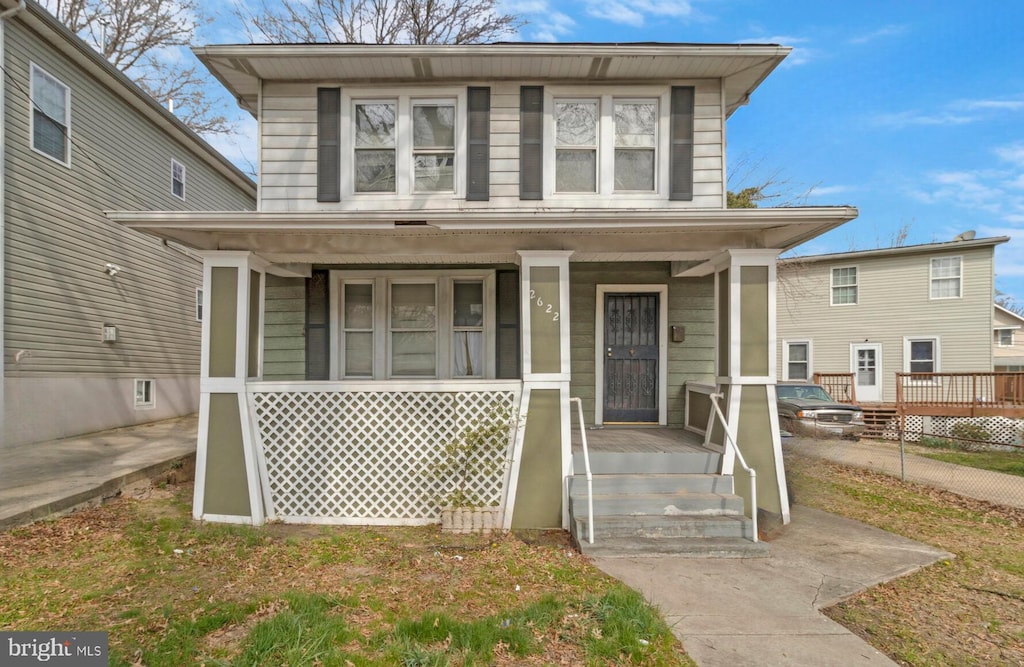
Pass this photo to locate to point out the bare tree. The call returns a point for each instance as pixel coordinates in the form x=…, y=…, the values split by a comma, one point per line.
x=140, y=38
x=378, y=21
x=774, y=189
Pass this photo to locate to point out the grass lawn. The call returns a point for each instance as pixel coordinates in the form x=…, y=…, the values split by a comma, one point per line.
x=1009, y=462
x=174, y=592
x=966, y=611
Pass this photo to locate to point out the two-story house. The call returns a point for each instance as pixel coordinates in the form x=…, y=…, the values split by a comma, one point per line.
x=446, y=231
x=874, y=313
x=101, y=324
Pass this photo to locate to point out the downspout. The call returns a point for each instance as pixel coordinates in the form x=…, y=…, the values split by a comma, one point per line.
x=4, y=15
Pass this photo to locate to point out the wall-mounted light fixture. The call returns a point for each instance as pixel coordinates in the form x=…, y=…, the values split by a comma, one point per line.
x=112, y=269
x=109, y=333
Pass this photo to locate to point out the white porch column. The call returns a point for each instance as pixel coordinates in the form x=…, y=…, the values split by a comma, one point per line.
x=227, y=486
x=745, y=367
x=537, y=481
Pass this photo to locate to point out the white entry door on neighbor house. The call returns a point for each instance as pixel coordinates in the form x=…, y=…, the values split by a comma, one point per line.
x=866, y=366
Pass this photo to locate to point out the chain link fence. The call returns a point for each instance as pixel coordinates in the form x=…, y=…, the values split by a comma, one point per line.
x=977, y=457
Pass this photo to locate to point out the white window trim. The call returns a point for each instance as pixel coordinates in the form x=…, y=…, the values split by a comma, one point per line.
x=382, y=281
x=144, y=405
x=403, y=98
x=936, y=351
x=785, y=358
x=606, y=142
x=32, y=116
x=184, y=178
x=832, y=285
x=932, y=278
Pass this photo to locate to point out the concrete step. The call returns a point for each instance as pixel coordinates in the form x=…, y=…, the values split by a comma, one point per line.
x=707, y=547
x=654, y=483
x=648, y=462
x=657, y=504
x=648, y=525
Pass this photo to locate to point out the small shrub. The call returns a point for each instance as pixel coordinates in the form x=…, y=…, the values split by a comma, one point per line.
x=969, y=431
x=935, y=443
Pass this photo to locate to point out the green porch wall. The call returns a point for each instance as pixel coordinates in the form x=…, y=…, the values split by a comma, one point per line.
x=691, y=304
x=538, y=501
x=226, y=482
x=284, y=321
x=545, y=329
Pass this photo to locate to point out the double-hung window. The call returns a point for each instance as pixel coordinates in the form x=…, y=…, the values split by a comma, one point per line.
x=921, y=355
x=605, y=145
x=51, y=115
x=797, y=361
x=414, y=325
x=1004, y=337
x=946, y=276
x=178, y=179
x=406, y=145
x=844, y=286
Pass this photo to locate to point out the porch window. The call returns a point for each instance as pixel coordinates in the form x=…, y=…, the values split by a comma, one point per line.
x=946, y=277
x=797, y=362
x=51, y=115
x=414, y=325
x=844, y=286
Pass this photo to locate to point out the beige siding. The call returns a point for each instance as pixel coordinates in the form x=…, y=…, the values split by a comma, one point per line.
x=284, y=322
x=893, y=303
x=58, y=241
x=691, y=304
x=288, y=154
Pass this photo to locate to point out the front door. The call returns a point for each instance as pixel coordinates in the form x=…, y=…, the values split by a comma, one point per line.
x=631, y=358
x=866, y=366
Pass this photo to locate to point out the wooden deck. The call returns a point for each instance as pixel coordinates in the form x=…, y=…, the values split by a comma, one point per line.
x=639, y=439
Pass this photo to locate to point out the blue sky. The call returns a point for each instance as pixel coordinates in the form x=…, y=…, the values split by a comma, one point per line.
x=911, y=111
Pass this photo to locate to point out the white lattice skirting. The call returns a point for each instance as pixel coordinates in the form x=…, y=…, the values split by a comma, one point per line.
x=365, y=457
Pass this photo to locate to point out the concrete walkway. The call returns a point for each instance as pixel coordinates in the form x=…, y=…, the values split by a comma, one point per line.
x=43, y=479
x=884, y=456
x=765, y=611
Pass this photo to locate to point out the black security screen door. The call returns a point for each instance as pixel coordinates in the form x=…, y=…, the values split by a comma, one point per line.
x=631, y=358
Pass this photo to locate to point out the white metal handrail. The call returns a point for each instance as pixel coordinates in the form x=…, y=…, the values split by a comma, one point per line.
x=739, y=456
x=586, y=465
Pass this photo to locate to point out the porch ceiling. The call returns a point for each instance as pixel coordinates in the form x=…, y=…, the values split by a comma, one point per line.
x=491, y=237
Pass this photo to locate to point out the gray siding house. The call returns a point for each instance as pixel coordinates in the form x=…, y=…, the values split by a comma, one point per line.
x=875, y=313
x=447, y=233
x=100, y=323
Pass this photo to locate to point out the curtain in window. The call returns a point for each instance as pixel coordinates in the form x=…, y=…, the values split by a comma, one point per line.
x=468, y=353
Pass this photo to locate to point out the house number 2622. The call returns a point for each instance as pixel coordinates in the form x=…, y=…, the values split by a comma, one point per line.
x=546, y=307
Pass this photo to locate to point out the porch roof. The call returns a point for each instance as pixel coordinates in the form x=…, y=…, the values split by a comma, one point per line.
x=489, y=236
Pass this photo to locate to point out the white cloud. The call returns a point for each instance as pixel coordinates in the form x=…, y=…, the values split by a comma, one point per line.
x=636, y=12
x=1013, y=153
x=830, y=190
x=890, y=30
x=958, y=112
x=800, y=55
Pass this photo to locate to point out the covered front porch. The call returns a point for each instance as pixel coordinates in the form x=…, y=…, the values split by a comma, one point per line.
x=457, y=321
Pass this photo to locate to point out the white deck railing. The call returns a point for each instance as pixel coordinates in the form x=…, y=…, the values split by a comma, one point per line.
x=586, y=465
x=362, y=453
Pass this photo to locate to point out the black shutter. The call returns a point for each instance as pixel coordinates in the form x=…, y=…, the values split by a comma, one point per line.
x=478, y=168
x=508, y=335
x=328, y=144
x=531, y=142
x=318, y=337
x=681, y=156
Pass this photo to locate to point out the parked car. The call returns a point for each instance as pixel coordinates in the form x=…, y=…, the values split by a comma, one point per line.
x=807, y=409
